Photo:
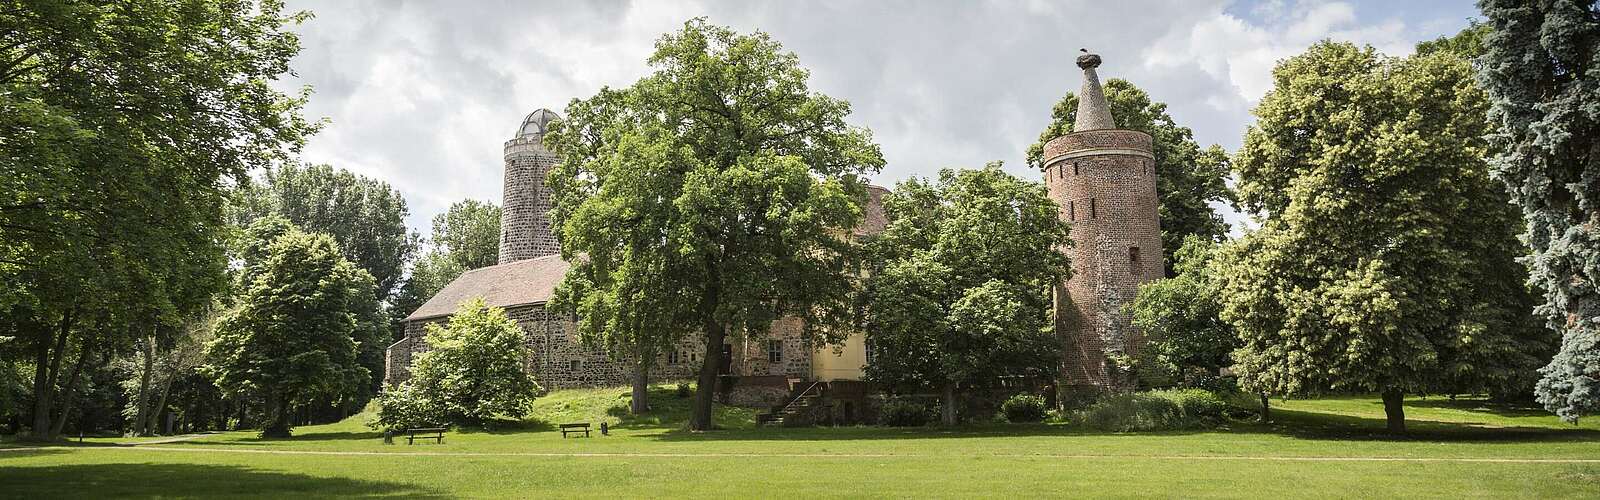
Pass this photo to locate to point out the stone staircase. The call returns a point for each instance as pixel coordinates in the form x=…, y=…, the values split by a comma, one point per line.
x=797, y=411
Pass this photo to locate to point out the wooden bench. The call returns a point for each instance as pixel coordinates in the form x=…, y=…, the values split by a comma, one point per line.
x=415, y=434
x=574, y=429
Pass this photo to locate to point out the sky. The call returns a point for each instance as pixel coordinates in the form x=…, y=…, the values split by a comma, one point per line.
x=423, y=94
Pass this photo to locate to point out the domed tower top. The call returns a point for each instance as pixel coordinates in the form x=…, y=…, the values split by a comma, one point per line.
x=537, y=123
x=525, y=231
x=1093, y=111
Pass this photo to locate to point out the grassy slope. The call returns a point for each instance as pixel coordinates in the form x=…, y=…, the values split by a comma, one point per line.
x=1002, y=460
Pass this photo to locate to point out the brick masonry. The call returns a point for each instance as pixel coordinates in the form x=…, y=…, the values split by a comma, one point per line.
x=1105, y=182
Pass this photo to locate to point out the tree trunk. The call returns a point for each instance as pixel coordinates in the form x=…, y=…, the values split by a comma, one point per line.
x=641, y=387
x=700, y=420
x=141, y=419
x=948, y=415
x=161, y=400
x=1394, y=409
x=72, y=385
x=277, y=424
x=700, y=417
x=46, y=368
x=1266, y=408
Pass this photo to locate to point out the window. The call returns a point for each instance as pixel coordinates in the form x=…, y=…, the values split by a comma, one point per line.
x=572, y=365
x=1072, y=211
x=672, y=358
x=868, y=345
x=1074, y=169
x=1093, y=210
x=775, y=351
x=1133, y=258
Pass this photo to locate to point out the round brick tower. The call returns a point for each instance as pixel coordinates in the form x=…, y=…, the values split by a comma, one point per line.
x=1104, y=179
x=525, y=217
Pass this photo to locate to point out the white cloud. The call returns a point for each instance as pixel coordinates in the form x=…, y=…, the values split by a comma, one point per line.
x=423, y=94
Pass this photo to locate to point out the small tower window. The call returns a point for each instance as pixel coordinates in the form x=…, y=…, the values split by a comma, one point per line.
x=1094, y=211
x=1072, y=211
x=1074, y=169
x=1133, y=258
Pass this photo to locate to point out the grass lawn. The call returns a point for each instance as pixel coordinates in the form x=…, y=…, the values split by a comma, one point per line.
x=1316, y=448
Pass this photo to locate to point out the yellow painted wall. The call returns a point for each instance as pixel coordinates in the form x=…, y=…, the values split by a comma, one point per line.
x=847, y=363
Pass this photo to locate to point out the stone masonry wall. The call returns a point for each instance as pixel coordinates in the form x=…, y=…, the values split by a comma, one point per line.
x=525, y=222
x=557, y=360
x=1104, y=181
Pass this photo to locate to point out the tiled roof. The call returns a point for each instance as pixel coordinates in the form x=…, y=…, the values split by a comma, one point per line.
x=530, y=281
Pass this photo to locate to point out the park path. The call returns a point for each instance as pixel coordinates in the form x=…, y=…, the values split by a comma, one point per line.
x=1266, y=458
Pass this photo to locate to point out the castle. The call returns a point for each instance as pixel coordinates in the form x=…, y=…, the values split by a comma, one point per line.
x=1102, y=177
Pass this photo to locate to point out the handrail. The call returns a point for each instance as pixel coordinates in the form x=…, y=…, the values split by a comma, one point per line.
x=803, y=393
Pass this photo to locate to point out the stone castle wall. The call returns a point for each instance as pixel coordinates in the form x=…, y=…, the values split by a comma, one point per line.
x=558, y=360
x=525, y=231
x=1104, y=181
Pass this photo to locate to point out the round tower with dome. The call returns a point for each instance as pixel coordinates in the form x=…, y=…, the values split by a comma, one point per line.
x=525, y=217
x=1104, y=179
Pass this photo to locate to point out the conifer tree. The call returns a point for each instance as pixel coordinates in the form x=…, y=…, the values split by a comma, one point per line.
x=1541, y=71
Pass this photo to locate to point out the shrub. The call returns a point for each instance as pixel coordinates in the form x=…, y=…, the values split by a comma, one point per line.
x=471, y=373
x=1023, y=408
x=684, y=391
x=1156, y=410
x=903, y=413
x=400, y=408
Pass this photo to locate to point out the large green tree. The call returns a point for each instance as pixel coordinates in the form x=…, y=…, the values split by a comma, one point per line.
x=124, y=124
x=1542, y=73
x=959, y=293
x=1181, y=316
x=469, y=232
x=292, y=341
x=1385, y=260
x=749, y=220
x=1188, y=178
x=365, y=216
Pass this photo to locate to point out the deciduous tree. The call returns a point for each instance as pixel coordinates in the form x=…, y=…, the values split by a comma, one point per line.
x=124, y=123
x=959, y=295
x=1385, y=260
x=764, y=186
x=291, y=340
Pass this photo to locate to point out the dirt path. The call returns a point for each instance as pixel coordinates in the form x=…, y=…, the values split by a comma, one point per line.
x=1268, y=458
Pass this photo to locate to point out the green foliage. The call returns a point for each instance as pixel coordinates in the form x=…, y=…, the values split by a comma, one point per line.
x=1180, y=316
x=900, y=412
x=123, y=124
x=959, y=290
x=469, y=232
x=683, y=391
x=710, y=195
x=1540, y=71
x=472, y=372
x=364, y=216
x=291, y=342
x=1155, y=410
x=1385, y=260
x=1024, y=408
x=1188, y=178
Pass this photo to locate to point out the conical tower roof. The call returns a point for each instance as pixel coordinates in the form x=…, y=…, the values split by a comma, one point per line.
x=1094, y=113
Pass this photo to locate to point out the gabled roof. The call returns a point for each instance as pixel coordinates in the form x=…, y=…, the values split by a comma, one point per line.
x=523, y=282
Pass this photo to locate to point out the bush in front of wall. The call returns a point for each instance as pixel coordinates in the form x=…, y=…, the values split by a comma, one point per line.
x=1023, y=408
x=903, y=413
